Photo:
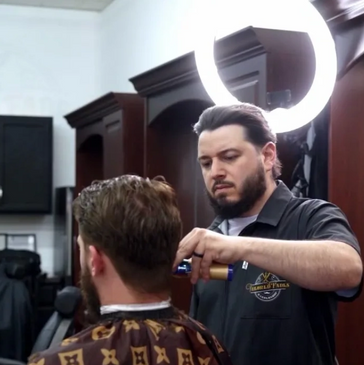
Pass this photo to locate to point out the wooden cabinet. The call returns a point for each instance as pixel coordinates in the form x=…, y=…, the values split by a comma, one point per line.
x=257, y=65
x=109, y=137
x=26, y=160
x=109, y=142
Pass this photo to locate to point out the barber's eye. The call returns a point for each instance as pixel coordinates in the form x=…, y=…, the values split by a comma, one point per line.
x=206, y=164
x=231, y=158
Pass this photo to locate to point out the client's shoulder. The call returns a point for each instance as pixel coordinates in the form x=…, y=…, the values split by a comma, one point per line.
x=71, y=351
x=181, y=339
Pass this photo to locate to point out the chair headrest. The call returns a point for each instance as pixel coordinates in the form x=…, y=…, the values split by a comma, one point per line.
x=14, y=270
x=4, y=361
x=68, y=301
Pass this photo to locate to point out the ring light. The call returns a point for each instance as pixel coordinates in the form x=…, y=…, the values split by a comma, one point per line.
x=280, y=120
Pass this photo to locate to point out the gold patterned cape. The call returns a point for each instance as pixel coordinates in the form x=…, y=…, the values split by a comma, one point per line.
x=177, y=340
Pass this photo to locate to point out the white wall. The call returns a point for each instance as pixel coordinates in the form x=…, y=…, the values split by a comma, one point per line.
x=137, y=35
x=48, y=67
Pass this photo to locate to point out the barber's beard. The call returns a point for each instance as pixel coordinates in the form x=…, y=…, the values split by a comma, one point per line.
x=252, y=189
x=90, y=296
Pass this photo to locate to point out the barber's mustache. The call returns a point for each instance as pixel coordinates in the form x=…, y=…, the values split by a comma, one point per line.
x=221, y=182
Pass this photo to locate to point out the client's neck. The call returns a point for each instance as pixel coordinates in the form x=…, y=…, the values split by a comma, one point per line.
x=120, y=294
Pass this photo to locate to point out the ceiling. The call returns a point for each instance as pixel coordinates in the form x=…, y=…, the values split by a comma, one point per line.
x=92, y=5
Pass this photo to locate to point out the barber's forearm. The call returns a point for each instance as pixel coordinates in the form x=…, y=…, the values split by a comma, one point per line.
x=314, y=265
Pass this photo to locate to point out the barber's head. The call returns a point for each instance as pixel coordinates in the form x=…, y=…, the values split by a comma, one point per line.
x=129, y=230
x=237, y=154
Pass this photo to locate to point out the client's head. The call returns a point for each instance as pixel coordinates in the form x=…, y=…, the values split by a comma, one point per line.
x=129, y=230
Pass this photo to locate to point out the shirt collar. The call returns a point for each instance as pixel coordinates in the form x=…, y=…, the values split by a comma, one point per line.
x=276, y=205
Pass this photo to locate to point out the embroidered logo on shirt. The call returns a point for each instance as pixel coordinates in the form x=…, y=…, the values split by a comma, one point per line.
x=267, y=287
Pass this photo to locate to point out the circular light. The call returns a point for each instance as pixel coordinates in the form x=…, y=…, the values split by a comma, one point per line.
x=218, y=15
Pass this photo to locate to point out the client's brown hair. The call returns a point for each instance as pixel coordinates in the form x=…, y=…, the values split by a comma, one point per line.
x=136, y=223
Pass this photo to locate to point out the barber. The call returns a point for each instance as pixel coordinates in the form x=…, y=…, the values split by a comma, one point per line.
x=294, y=258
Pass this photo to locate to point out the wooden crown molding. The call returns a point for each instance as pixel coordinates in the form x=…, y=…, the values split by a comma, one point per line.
x=232, y=49
x=338, y=12
x=99, y=108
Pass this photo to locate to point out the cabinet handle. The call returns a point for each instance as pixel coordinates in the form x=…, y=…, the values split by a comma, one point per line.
x=1, y=192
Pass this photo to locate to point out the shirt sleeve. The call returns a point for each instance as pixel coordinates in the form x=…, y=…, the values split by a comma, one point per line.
x=328, y=222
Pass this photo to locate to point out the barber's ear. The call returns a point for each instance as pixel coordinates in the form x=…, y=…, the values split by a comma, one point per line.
x=269, y=152
x=96, y=261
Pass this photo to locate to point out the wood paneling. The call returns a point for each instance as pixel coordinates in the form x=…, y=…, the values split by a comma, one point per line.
x=346, y=182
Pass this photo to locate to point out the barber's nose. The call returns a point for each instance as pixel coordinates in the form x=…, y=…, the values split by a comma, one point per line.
x=217, y=170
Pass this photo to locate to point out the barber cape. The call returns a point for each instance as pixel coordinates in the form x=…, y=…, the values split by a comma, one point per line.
x=153, y=337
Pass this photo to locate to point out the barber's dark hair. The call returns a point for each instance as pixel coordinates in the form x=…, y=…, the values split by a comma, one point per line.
x=250, y=117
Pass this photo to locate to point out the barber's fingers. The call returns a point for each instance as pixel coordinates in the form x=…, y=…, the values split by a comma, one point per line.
x=184, y=249
x=187, y=246
x=200, y=250
x=205, y=264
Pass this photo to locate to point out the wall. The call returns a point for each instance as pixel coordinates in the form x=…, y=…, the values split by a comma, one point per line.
x=48, y=67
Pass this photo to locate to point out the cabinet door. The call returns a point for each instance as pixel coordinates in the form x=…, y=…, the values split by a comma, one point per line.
x=113, y=145
x=247, y=80
x=25, y=164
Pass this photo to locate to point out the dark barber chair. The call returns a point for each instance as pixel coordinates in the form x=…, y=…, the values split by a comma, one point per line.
x=59, y=326
x=10, y=362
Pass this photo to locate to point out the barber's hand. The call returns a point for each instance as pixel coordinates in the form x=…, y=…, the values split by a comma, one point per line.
x=205, y=247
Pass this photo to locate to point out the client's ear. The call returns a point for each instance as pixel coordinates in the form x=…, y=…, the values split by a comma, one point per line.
x=97, y=263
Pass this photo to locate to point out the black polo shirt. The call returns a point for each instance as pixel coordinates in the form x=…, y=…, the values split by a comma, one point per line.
x=263, y=319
